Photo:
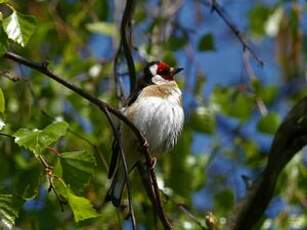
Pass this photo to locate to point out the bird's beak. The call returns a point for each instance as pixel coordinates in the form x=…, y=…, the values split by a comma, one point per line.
x=176, y=70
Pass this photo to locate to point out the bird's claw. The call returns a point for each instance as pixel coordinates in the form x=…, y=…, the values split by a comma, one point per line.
x=153, y=162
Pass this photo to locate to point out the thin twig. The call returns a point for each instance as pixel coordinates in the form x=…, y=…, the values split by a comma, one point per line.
x=223, y=15
x=6, y=135
x=186, y=211
x=252, y=76
x=49, y=174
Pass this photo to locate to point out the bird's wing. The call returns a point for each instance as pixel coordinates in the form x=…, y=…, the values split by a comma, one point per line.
x=114, y=158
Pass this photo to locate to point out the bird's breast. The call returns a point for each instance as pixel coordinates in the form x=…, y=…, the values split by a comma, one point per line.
x=160, y=119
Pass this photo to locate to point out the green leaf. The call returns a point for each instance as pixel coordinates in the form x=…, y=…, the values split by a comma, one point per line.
x=19, y=27
x=3, y=41
x=233, y=102
x=2, y=101
x=175, y=43
x=206, y=43
x=3, y=1
x=258, y=17
x=269, y=123
x=224, y=201
x=267, y=93
x=37, y=140
x=9, y=210
x=105, y=28
x=203, y=120
x=81, y=207
x=77, y=168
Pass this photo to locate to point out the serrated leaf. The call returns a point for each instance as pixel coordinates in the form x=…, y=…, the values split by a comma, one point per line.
x=9, y=210
x=269, y=123
x=3, y=40
x=206, y=43
x=105, y=28
x=19, y=27
x=81, y=207
x=77, y=168
x=37, y=140
x=2, y=102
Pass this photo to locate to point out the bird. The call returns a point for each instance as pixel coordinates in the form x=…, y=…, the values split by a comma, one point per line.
x=155, y=108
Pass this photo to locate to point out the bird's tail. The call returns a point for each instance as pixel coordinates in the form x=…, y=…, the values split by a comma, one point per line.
x=116, y=189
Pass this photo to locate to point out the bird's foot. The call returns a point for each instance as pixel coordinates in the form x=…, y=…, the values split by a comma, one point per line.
x=153, y=162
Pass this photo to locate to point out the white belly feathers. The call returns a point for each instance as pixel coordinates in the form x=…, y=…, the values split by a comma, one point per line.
x=159, y=119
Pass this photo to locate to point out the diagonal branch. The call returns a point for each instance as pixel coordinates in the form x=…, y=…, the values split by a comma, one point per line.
x=223, y=15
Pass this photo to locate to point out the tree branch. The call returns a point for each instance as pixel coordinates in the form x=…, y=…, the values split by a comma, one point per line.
x=290, y=138
x=223, y=15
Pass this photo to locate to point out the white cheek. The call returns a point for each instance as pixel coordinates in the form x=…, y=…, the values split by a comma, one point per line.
x=153, y=69
x=157, y=79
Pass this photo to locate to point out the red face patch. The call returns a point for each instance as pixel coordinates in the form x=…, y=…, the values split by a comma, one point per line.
x=164, y=71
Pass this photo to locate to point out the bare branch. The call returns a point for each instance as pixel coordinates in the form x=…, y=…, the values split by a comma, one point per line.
x=223, y=15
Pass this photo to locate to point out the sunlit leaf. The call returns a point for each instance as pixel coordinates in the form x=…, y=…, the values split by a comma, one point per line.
x=2, y=102
x=37, y=140
x=77, y=167
x=258, y=17
x=19, y=27
x=206, y=43
x=105, y=28
x=9, y=210
x=81, y=207
x=273, y=23
x=269, y=123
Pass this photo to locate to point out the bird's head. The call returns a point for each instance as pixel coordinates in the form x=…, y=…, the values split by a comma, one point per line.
x=158, y=72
